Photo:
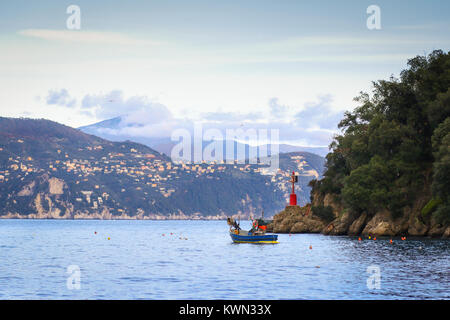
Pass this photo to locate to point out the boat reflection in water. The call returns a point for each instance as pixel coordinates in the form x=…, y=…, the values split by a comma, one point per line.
x=257, y=234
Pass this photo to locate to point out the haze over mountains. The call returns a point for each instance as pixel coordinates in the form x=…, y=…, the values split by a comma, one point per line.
x=48, y=170
x=116, y=129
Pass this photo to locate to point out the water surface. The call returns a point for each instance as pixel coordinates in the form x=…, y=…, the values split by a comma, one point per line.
x=199, y=261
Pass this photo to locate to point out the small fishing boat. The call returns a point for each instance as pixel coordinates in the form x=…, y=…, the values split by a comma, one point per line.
x=257, y=234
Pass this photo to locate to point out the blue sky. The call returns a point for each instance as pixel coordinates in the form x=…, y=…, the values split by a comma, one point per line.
x=222, y=61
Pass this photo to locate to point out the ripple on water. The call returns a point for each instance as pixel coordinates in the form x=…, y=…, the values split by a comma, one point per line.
x=7, y=247
x=136, y=279
x=137, y=264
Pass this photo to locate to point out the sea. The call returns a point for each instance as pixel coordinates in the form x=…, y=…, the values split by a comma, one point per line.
x=179, y=259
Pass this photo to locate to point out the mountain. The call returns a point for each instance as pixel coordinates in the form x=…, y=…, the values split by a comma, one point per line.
x=108, y=129
x=48, y=170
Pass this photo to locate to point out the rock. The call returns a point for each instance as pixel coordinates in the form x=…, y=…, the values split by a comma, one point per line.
x=416, y=227
x=295, y=219
x=307, y=226
x=358, y=225
x=340, y=225
x=446, y=234
x=380, y=225
x=436, y=229
x=411, y=222
x=329, y=201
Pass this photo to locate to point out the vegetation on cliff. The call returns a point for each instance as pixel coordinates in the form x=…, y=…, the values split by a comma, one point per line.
x=394, y=151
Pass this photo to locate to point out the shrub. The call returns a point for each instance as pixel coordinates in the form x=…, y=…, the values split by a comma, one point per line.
x=430, y=206
x=324, y=212
x=442, y=215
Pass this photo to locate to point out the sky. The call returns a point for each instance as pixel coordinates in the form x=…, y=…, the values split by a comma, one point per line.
x=290, y=65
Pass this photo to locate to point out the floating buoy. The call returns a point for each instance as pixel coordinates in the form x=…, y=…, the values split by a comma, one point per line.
x=310, y=247
x=375, y=238
x=390, y=241
x=95, y=232
x=359, y=239
x=369, y=237
x=109, y=238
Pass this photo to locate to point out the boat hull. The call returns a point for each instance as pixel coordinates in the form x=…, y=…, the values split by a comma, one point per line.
x=267, y=238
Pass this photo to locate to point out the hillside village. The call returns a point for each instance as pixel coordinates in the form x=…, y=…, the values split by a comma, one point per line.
x=130, y=179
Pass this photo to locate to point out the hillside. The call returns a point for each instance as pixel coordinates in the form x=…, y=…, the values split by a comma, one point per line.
x=48, y=170
x=388, y=173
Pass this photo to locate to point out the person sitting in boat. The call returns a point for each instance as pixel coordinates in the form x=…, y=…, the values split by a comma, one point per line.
x=233, y=223
x=255, y=228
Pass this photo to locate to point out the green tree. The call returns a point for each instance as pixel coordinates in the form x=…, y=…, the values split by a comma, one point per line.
x=393, y=140
x=441, y=170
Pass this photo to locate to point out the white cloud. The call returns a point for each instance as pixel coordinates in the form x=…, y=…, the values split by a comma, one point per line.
x=93, y=37
x=319, y=114
x=140, y=117
x=61, y=98
x=276, y=109
x=231, y=116
x=135, y=109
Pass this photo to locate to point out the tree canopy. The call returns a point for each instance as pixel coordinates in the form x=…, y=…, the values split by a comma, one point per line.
x=396, y=143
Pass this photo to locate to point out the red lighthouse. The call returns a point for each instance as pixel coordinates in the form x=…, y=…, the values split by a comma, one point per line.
x=293, y=196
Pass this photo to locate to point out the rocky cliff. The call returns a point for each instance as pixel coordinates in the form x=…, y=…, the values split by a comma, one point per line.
x=296, y=219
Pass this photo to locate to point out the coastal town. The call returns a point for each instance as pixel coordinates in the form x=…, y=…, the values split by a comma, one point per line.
x=126, y=178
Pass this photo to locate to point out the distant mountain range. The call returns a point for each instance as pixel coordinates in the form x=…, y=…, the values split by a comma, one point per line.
x=108, y=129
x=48, y=170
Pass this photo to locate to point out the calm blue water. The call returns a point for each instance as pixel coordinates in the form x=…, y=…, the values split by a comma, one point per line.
x=139, y=263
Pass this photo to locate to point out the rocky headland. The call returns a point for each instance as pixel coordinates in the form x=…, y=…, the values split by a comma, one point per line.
x=296, y=219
